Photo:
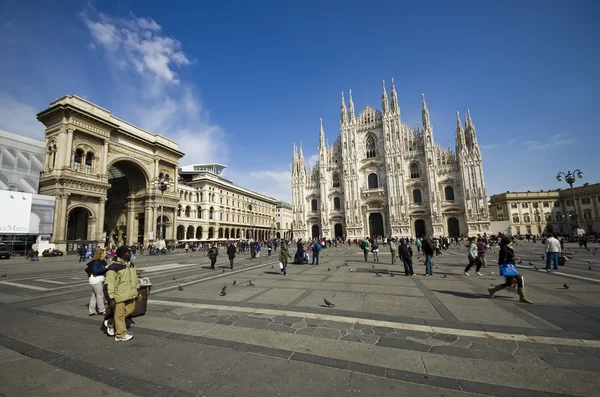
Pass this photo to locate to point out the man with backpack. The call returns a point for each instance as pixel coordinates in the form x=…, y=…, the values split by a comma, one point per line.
x=428, y=248
x=213, y=252
x=365, y=244
x=316, y=247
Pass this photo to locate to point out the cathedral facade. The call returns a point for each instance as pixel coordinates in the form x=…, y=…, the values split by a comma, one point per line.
x=382, y=177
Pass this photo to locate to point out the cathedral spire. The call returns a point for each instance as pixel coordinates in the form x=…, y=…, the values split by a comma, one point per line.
x=295, y=155
x=344, y=111
x=301, y=154
x=321, y=136
x=395, y=107
x=425, y=115
x=384, y=98
x=351, y=106
x=470, y=132
x=460, y=134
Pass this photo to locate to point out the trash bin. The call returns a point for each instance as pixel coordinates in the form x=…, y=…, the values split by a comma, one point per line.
x=142, y=305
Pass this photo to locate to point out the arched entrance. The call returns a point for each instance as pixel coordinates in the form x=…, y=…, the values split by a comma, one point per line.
x=190, y=232
x=278, y=235
x=376, y=224
x=338, y=230
x=124, y=215
x=227, y=234
x=211, y=232
x=420, y=227
x=199, y=233
x=238, y=233
x=180, y=232
x=77, y=224
x=315, y=231
x=453, y=227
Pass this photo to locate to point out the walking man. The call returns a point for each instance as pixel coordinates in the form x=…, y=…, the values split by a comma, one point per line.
x=284, y=255
x=406, y=254
x=213, y=252
x=392, y=245
x=427, y=246
x=316, y=247
x=552, y=250
x=473, y=257
x=365, y=244
x=231, y=253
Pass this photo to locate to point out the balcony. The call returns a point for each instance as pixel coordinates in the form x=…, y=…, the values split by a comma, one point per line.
x=373, y=192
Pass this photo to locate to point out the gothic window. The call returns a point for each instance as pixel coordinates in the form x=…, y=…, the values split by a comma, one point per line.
x=211, y=213
x=546, y=204
x=336, y=203
x=513, y=205
x=77, y=160
x=336, y=180
x=371, y=147
x=372, y=181
x=414, y=171
x=52, y=155
x=417, y=196
x=525, y=205
x=449, y=193
x=313, y=205
x=535, y=204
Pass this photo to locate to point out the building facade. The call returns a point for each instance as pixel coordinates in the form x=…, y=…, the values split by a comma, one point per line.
x=549, y=211
x=284, y=217
x=214, y=208
x=382, y=177
x=21, y=161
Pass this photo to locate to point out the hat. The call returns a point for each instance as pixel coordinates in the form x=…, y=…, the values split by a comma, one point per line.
x=122, y=250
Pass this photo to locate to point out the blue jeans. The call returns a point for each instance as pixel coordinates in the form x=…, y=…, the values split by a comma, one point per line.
x=550, y=258
x=428, y=265
x=315, y=257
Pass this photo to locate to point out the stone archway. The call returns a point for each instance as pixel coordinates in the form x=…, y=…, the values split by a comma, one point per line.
x=376, y=224
x=338, y=230
x=453, y=227
x=420, y=227
x=211, y=232
x=180, y=232
x=190, y=233
x=77, y=223
x=199, y=233
x=315, y=231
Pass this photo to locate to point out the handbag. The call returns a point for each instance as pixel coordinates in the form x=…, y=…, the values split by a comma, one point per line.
x=508, y=270
x=280, y=265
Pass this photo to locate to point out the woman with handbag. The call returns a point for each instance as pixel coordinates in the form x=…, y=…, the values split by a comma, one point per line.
x=506, y=261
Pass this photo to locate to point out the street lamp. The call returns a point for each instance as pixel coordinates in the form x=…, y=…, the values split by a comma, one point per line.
x=163, y=183
x=570, y=179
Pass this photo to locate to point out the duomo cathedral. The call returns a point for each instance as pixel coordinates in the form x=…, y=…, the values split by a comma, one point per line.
x=382, y=177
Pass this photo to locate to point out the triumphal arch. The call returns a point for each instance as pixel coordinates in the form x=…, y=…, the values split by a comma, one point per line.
x=104, y=172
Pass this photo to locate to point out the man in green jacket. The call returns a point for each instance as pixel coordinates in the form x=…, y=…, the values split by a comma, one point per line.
x=122, y=288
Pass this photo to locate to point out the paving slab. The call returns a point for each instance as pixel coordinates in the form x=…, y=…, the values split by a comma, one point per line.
x=400, y=306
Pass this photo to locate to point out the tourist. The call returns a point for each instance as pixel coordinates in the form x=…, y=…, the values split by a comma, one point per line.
x=392, y=245
x=427, y=246
x=284, y=255
x=299, y=252
x=482, y=246
x=96, y=269
x=122, y=289
x=258, y=250
x=231, y=253
x=316, y=247
x=406, y=254
x=213, y=252
x=419, y=243
x=473, y=257
x=269, y=248
x=365, y=244
x=552, y=250
x=506, y=256
x=375, y=250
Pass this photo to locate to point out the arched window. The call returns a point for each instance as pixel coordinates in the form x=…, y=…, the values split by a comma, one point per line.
x=336, y=180
x=417, y=196
x=336, y=203
x=188, y=211
x=414, y=171
x=199, y=212
x=449, y=193
x=211, y=213
x=313, y=205
x=371, y=147
x=179, y=210
x=372, y=181
x=52, y=155
x=77, y=160
x=88, y=162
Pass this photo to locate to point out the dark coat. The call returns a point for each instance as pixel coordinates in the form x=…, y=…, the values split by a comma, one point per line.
x=427, y=246
x=404, y=251
x=231, y=251
x=506, y=255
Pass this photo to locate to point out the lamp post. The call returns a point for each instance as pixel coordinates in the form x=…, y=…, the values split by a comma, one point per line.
x=570, y=179
x=163, y=183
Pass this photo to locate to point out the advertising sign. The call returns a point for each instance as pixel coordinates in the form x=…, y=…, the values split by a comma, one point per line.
x=15, y=211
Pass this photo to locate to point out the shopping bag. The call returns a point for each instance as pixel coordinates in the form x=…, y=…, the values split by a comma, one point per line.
x=280, y=266
x=508, y=270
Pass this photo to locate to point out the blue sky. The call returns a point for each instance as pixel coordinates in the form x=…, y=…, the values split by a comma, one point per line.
x=238, y=82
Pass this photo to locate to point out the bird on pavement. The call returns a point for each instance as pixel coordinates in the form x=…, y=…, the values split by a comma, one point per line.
x=4, y=275
x=372, y=266
x=520, y=261
x=444, y=275
x=565, y=286
x=351, y=270
x=224, y=291
x=180, y=288
x=250, y=283
x=328, y=269
x=531, y=264
x=338, y=266
x=173, y=277
x=543, y=257
x=589, y=267
x=271, y=266
x=391, y=274
x=345, y=263
x=328, y=304
x=535, y=267
x=590, y=262
x=377, y=274
x=234, y=282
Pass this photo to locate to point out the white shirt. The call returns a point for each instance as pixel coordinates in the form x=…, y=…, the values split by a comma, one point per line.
x=552, y=245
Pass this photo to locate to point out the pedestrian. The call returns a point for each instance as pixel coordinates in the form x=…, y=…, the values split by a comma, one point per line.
x=552, y=250
x=96, y=269
x=365, y=244
x=375, y=250
x=133, y=252
x=258, y=250
x=187, y=247
x=81, y=251
x=473, y=257
x=316, y=247
x=252, y=249
x=122, y=289
x=482, y=247
x=213, y=252
x=419, y=243
x=269, y=248
x=406, y=254
x=392, y=250
x=427, y=246
x=506, y=256
x=284, y=255
x=231, y=253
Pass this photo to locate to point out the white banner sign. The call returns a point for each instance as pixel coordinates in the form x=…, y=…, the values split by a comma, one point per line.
x=15, y=211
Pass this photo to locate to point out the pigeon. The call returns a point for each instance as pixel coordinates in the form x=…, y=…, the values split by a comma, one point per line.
x=234, y=282
x=224, y=291
x=444, y=275
x=565, y=286
x=345, y=263
x=590, y=262
x=223, y=270
x=531, y=264
x=173, y=277
x=377, y=274
x=535, y=267
x=180, y=288
x=244, y=264
x=391, y=274
x=543, y=257
x=4, y=275
x=520, y=261
x=250, y=283
x=338, y=266
x=328, y=304
x=589, y=267
x=328, y=269
x=492, y=274
x=372, y=266
x=351, y=270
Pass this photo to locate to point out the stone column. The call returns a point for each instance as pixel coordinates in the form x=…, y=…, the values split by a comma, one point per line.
x=64, y=216
x=131, y=233
x=100, y=224
x=104, y=162
x=148, y=224
x=58, y=221
x=68, y=149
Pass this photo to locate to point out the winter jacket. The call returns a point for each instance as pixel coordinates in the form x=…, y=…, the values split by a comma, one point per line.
x=473, y=250
x=552, y=245
x=506, y=255
x=231, y=251
x=213, y=252
x=121, y=281
x=427, y=246
x=404, y=251
x=284, y=254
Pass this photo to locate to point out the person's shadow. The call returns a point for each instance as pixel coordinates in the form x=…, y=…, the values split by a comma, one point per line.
x=469, y=295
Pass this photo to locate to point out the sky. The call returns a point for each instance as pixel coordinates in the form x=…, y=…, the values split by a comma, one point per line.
x=238, y=82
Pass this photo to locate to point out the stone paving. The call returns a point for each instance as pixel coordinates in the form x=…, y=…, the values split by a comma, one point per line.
x=429, y=336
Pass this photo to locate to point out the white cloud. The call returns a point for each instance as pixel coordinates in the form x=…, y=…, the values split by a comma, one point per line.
x=552, y=141
x=311, y=161
x=274, y=183
x=19, y=118
x=489, y=146
x=143, y=61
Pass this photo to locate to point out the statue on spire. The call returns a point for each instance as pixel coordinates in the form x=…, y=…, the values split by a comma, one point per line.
x=394, y=105
x=425, y=115
x=344, y=111
x=384, y=98
x=351, y=106
x=321, y=135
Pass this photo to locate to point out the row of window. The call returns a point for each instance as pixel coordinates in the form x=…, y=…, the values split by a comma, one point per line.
x=212, y=215
x=199, y=197
x=587, y=215
x=546, y=204
x=372, y=178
